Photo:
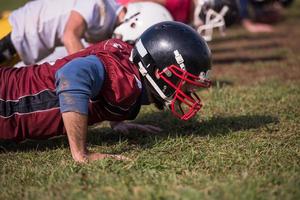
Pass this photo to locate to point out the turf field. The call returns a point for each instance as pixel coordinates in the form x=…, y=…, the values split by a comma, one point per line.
x=245, y=144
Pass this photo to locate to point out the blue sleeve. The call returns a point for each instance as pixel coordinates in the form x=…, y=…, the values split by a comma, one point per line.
x=77, y=82
x=243, y=9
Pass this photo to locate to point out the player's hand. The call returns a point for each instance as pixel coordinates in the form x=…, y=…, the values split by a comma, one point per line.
x=125, y=127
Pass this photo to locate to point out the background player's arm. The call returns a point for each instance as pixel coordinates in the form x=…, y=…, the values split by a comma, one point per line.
x=74, y=31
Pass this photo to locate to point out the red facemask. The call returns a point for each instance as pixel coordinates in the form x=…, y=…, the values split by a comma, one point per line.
x=184, y=104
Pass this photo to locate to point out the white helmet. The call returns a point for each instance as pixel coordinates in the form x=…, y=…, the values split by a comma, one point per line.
x=138, y=18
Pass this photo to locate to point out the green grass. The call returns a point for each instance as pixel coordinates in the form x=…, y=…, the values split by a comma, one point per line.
x=11, y=4
x=245, y=147
x=245, y=144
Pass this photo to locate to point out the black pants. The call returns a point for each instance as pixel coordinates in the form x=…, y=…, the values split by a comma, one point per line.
x=7, y=49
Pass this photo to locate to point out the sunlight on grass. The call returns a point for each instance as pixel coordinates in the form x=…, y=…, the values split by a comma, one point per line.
x=244, y=144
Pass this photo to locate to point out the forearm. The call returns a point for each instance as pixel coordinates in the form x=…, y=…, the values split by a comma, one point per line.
x=77, y=82
x=74, y=31
x=72, y=43
x=76, y=127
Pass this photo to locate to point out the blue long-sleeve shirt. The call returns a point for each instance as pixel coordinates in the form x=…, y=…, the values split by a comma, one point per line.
x=78, y=81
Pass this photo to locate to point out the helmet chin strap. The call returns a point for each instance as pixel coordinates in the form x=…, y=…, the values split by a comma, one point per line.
x=143, y=52
x=144, y=73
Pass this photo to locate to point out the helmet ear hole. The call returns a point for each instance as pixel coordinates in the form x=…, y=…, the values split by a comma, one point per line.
x=133, y=25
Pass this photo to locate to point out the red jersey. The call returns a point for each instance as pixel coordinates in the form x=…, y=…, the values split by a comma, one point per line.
x=179, y=9
x=29, y=106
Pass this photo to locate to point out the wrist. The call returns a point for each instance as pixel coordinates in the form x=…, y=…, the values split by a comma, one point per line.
x=81, y=157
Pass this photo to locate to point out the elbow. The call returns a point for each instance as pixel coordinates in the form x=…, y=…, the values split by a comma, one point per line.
x=69, y=37
x=72, y=42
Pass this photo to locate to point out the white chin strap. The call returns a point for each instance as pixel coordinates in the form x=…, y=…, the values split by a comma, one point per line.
x=144, y=73
x=143, y=52
x=213, y=20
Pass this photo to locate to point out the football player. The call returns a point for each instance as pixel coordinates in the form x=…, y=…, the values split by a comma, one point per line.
x=106, y=81
x=265, y=12
x=39, y=26
x=128, y=25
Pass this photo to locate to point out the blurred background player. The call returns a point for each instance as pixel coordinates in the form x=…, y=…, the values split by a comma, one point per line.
x=259, y=15
x=39, y=26
x=250, y=24
x=203, y=15
x=131, y=21
x=212, y=14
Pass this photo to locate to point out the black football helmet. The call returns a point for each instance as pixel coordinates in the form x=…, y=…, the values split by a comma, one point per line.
x=210, y=14
x=232, y=15
x=174, y=58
